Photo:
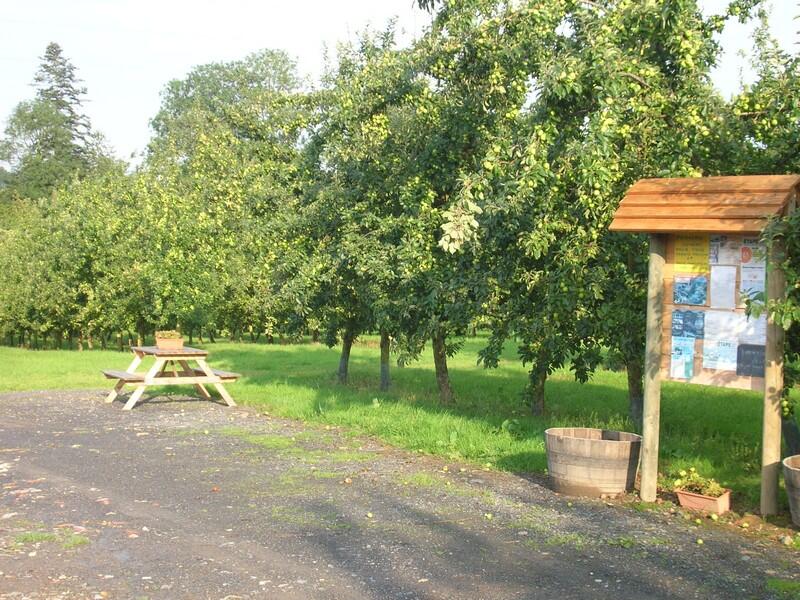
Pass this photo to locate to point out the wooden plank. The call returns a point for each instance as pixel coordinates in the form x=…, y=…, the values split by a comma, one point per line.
x=123, y=376
x=698, y=211
x=681, y=199
x=680, y=224
x=170, y=379
x=652, y=370
x=224, y=375
x=185, y=352
x=737, y=183
x=773, y=392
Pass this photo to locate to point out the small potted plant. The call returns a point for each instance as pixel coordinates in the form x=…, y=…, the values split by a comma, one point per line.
x=696, y=492
x=169, y=339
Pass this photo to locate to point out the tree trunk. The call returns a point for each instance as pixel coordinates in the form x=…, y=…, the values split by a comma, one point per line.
x=80, y=341
x=89, y=341
x=119, y=342
x=440, y=362
x=385, y=380
x=211, y=336
x=344, y=359
x=635, y=370
x=315, y=335
x=535, y=390
x=191, y=335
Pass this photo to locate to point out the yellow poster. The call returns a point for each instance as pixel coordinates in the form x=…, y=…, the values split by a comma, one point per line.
x=691, y=253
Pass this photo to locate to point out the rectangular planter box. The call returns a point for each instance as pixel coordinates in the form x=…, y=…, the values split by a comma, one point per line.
x=705, y=503
x=169, y=343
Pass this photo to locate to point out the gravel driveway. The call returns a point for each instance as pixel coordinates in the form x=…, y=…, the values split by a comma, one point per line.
x=187, y=499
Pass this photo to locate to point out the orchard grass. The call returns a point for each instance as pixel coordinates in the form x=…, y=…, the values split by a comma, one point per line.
x=717, y=431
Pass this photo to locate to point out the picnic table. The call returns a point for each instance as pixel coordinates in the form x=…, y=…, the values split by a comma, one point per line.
x=165, y=372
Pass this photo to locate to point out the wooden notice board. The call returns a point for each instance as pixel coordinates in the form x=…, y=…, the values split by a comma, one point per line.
x=704, y=254
x=706, y=337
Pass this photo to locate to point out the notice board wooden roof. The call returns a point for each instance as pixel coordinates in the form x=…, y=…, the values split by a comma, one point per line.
x=740, y=204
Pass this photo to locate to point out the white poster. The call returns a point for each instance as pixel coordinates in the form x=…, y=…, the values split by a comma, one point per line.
x=724, y=250
x=722, y=325
x=754, y=331
x=753, y=279
x=723, y=287
x=720, y=355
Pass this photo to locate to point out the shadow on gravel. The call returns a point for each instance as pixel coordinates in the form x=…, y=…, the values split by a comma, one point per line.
x=551, y=565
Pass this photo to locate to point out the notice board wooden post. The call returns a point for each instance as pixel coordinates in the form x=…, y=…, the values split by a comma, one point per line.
x=773, y=392
x=704, y=235
x=651, y=415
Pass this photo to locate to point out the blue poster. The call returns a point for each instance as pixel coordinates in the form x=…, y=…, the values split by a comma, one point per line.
x=682, y=359
x=688, y=323
x=690, y=290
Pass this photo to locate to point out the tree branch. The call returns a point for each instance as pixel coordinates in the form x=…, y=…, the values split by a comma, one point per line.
x=636, y=78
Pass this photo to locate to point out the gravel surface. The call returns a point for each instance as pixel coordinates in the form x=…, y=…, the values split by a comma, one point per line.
x=187, y=499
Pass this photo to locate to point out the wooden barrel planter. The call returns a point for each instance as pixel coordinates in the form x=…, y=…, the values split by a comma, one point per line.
x=592, y=462
x=791, y=477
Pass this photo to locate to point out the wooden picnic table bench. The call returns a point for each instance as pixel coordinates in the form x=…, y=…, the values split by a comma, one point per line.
x=165, y=372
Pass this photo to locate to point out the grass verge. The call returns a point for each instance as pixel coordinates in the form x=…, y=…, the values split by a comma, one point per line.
x=715, y=430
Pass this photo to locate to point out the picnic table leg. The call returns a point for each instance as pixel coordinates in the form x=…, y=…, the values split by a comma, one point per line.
x=112, y=395
x=187, y=370
x=220, y=388
x=137, y=393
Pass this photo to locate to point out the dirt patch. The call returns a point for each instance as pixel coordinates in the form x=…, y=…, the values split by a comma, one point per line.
x=188, y=499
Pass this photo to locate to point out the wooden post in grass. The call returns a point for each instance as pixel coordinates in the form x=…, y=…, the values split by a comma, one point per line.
x=652, y=368
x=773, y=390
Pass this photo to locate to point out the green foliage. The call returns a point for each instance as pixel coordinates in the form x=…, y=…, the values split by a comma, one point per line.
x=764, y=119
x=49, y=141
x=605, y=96
x=168, y=334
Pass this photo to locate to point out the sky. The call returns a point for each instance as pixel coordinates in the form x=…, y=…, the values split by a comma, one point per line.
x=126, y=51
